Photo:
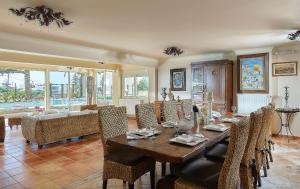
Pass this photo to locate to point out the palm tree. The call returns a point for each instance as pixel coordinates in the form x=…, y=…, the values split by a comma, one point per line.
x=28, y=90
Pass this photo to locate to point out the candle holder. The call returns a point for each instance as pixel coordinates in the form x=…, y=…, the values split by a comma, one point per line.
x=286, y=97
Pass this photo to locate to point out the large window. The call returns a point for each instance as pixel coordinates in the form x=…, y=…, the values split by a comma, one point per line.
x=21, y=89
x=135, y=86
x=104, y=87
x=67, y=88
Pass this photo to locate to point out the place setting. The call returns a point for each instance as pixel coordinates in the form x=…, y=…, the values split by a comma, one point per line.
x=143, y=133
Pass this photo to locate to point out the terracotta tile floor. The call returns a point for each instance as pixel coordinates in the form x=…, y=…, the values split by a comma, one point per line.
x=78, y=164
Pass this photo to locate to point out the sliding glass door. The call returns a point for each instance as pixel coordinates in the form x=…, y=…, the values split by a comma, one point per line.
x=20, y=89
x=67, y=88
x=104, y=87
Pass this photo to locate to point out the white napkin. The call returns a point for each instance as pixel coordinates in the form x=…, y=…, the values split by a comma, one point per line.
x=230, y=120
x=185, y=138
x=218, y=127
x=168, y=124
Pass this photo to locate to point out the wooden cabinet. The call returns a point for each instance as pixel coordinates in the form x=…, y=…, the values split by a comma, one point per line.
x=215, y=76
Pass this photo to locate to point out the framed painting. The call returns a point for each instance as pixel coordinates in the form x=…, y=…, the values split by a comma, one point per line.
x=285, y=69
x=178, y=79
x=253, y=73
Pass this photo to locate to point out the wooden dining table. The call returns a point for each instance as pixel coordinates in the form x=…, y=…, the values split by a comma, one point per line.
x=161, y=149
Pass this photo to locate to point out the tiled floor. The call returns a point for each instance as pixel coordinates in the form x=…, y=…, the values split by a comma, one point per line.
x=78, y=164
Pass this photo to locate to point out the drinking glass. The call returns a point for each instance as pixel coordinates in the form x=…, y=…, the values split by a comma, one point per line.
x=233, y=109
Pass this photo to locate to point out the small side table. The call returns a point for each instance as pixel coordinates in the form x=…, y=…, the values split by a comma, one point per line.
x=289, y=113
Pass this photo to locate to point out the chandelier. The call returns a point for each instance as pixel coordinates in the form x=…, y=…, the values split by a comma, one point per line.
x=173, y=51
x=43, y=15
x=294, y=36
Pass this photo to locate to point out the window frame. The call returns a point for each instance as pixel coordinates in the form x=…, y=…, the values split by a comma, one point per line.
x=104, y=86
x=135, y=96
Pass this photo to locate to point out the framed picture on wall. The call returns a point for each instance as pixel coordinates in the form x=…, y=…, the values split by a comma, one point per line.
x=284, y=69
x=178, y=79
x=253, y=73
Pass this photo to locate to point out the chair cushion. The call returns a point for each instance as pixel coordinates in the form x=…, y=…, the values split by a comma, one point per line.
x=217, y=153
x=125, y=157
x=201, y=172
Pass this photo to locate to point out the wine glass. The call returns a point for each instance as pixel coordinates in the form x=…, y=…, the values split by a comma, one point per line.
x=233, y=109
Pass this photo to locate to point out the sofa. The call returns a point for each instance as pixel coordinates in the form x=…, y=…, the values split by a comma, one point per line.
x=45, y=129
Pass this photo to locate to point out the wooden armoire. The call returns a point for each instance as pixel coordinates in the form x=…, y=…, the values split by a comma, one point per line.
x=215, y=76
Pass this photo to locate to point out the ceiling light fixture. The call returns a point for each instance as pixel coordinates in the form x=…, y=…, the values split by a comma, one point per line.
x=43, y=15
x=173, y=51
x=295, y=35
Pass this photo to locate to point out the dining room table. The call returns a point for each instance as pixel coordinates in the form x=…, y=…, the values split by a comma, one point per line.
x=161, y=149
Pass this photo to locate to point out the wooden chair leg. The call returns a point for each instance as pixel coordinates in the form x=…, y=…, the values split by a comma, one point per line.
x=267, y=161
x=130, y=186
x=163, y=169
x=104, y=185
x=152, y=179
x=270, y=155
x=254, y=174
x=265, y=170
x=258, y=178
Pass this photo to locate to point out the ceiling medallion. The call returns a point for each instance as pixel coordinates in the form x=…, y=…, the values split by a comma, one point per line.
x=173, y=51
x=43, y=15
x=294, y=36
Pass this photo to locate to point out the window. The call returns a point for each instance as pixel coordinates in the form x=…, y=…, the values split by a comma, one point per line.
x=67, y=88
x=104, y=87
x=21, y=89
x=78, y=88
x=135, y=86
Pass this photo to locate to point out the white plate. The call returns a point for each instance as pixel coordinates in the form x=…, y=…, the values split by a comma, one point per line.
x=197, y=140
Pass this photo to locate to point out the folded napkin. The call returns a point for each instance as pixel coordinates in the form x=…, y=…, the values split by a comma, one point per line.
x=230, y=120
x=132, y=136
x=168, y=124
x=218, y=127
x=185, y=138
x=241, y=115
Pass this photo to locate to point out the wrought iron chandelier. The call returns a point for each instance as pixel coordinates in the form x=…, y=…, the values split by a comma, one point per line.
x=43, y=15
x=173, y=51
x=295, y=35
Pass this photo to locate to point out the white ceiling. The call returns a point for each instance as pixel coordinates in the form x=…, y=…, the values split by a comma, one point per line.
x=147, y=27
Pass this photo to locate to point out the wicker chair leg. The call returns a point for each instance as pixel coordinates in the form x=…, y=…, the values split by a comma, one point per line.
x=124, y=182
x=152, y=179
x=27, y=141
x=163, y=169
x=104, y=185
x=131, y=186
x=267, y=161
x=40, y=146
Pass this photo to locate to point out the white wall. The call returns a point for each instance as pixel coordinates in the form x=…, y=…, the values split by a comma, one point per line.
x=284, y=54
x=181, y=62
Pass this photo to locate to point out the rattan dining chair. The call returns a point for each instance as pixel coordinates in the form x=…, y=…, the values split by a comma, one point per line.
x=121, y=163
x=261, y=145
x=146, y=118
x=200, y=174
x=248, y=172
x=169, y=111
